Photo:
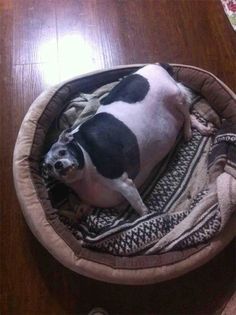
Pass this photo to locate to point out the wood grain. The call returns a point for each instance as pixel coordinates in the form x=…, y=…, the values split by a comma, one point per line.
x=44, y=42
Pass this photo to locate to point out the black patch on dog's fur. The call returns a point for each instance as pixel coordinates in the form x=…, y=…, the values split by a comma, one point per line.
x=131, y=89
x=111, y=145
x=168, y=68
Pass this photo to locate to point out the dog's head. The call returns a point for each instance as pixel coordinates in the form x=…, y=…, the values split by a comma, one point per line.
x=65, y=160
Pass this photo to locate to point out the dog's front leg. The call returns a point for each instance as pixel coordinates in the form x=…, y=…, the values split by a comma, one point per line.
x=127, y=188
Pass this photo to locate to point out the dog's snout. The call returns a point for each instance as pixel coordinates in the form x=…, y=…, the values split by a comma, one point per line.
x=58, y=165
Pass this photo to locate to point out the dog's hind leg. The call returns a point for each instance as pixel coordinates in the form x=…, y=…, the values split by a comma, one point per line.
x=204, y=130
x=127, y=188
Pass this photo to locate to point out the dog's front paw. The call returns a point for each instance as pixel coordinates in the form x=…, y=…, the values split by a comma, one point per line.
x=208, y=130
x=144, y=210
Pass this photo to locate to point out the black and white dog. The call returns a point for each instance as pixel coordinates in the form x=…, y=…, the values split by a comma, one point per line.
x=109, y=156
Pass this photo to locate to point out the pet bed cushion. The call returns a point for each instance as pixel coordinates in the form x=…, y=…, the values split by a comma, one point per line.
x=191, y=195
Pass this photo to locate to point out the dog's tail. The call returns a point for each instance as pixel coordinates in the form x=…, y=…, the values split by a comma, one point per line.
x=168, y=68
x=185, y=91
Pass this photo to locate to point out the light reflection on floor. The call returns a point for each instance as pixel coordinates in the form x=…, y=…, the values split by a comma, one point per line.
x=75, y=56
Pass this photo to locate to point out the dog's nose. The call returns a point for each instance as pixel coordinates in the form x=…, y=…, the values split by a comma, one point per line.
x=58, y=165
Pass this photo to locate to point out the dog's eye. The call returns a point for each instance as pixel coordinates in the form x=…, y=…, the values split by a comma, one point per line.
x=62, y=152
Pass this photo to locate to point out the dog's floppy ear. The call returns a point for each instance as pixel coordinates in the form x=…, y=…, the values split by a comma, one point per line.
x=65, y=137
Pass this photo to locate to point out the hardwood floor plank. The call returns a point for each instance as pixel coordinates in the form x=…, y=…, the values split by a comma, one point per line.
x=86, y=42
x=144, y=31
x=34, y=26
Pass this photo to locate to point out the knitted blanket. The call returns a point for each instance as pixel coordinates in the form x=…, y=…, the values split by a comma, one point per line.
x=189, y=202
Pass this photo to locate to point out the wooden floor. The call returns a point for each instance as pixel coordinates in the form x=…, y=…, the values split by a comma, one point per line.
x=44, y=42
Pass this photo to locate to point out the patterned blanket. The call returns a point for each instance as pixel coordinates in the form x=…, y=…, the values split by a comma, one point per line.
x=181, y=193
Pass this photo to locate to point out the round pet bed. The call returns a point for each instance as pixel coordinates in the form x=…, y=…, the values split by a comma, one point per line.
x=184, y=229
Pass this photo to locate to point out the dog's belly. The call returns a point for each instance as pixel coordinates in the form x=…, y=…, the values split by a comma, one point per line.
x=95, y=193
